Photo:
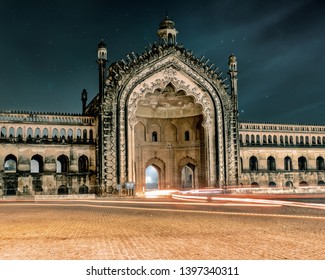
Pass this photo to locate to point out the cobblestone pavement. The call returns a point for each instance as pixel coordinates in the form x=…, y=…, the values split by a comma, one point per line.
x=82, y=231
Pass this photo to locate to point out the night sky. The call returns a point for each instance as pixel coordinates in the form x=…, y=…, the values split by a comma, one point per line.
x=48, y=50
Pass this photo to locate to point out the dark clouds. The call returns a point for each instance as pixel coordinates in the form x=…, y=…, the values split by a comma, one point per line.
x=48, y=50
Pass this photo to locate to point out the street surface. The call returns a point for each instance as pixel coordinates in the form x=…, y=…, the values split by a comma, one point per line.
x=181, y=228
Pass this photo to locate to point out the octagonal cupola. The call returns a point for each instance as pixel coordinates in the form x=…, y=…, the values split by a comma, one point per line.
x=167, y=32
x=102, y=51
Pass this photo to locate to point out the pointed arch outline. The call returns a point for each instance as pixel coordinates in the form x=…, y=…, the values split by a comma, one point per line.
x=160, y=166
x=215, y=99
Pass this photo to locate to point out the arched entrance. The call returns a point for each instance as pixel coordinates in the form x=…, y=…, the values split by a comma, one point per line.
x=63, y=190
x=83, y=189
x=187, y=176
x=170, y=121
x=152, y=178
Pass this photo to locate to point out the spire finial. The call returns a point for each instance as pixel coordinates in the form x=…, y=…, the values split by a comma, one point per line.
x=167, y=32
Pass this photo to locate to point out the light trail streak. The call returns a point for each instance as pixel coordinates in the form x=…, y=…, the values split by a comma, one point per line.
x=168, y=210
x=255, y=202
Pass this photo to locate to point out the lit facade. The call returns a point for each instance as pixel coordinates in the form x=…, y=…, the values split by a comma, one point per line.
x=166, y=110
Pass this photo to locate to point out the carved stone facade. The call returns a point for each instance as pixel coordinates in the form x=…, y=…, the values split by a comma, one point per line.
x=47, y=154
x=282, y=154
x=166, y=110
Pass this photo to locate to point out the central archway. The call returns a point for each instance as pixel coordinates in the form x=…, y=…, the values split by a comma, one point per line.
x=169, y=122
x=152, y=178
x=187, y=176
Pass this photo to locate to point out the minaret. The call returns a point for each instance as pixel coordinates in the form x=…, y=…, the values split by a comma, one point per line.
x=233, y=73
x=232, y=63
x=167, y=32
x=101, y=60
x=84, y=98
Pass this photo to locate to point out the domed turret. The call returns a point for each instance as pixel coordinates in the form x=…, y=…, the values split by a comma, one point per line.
x=232, y=63
x=167, y=32
x=102, y=51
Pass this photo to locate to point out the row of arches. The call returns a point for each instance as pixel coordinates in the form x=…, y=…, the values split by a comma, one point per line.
x=40, y=118
x=45, y=133
x=286, y=127
x=152, y=175
x=288, y=184
x=167, y=131
x=62, y=190
x=37, y=164
x=301, y=165
x=256, y=139
x=155, y=136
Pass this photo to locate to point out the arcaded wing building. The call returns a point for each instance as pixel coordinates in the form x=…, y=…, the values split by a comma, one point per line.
x=166, y=111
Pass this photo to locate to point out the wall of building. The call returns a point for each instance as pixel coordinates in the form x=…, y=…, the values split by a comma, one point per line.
x=282, y=154
x=47, y=154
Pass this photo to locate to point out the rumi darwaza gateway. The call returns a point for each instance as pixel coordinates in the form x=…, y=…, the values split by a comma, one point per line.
x=163, y=119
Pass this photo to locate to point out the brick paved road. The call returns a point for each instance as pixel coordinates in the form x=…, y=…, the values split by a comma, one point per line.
x=71, y=231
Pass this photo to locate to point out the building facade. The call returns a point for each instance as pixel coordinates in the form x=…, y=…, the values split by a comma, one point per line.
x=164, y=110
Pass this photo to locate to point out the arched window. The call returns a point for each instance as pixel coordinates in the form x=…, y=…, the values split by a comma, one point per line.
x=321, y=183
x=62, y=133
x=287, y=164
x=70, y=135
x=264, y=139
x=19, y=133
x=11, y=132
x=289, y=184
x=187, y=136
x=83, y=164
x=84, y=137
x=313, y=140
x=154, y=136
x=63, y=190
x=302, y=163
x=269, y=140
x=258, y=139
x=301, y=140
x=253, y=164
x=91, y=135
x=37, y=133
x=78, y=134
x=303, y=184
x=291, y=140
x=271, y=164
x=320, y=163
x=83, y=189
x=62, y=164
x=272, y=184
x=55, y=134
x=36, y=164
x=10, y=164
x=275, y=139
x=3, y=132
x=254, y=185
x=45, y=134
x=29, y=133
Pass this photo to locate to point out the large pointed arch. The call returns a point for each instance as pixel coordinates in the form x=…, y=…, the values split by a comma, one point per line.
x=173, y=71
x=129, y=82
